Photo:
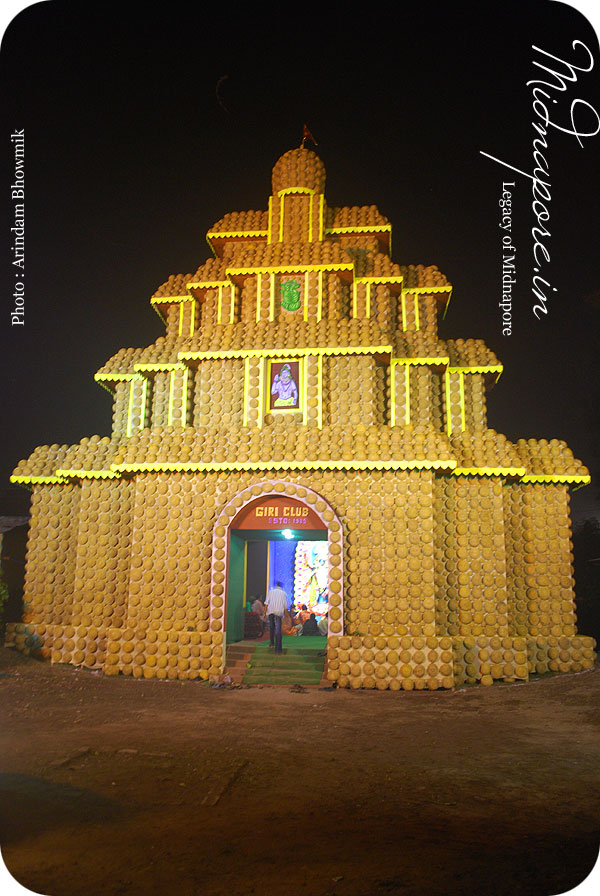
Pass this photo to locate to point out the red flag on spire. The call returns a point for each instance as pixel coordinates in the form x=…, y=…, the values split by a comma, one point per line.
x=306, y=135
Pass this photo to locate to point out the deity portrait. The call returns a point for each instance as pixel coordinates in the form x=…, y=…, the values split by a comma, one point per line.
x=284, y=385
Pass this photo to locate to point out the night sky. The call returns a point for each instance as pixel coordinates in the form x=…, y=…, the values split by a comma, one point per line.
x=145, y=125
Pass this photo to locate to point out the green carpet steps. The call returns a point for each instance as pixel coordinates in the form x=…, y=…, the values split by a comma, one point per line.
x=302, y=661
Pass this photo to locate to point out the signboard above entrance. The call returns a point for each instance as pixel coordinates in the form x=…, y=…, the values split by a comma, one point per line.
x=277, y=512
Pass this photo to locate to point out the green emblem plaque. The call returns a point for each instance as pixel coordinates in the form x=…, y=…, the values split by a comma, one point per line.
x=290, y=295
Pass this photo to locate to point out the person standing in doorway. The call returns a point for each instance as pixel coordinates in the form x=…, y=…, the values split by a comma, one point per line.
x=276, y=608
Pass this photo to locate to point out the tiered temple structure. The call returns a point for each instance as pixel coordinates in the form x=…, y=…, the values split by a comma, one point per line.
x=301, y=383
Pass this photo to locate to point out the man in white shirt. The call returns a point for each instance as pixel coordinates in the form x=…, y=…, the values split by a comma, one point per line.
x=276, y=607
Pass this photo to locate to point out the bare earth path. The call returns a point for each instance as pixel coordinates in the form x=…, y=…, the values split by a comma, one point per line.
x=120, y=786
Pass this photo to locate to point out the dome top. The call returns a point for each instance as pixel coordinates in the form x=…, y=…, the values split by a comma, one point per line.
x=299, y=168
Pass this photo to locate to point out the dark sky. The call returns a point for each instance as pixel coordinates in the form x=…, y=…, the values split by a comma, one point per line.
x=131, y=154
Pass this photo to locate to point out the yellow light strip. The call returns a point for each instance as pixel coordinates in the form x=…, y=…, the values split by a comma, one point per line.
x=261, y=389
x=271, y=296
x=281, y=213
x=184, y=397
x=403, y=300
x=462, y=402
x=219, y=234
x=393, y=365
x=171, y=300
x=304, y=367
x=321, y=215
x=448, y=406
x=306, y=296
x=489, y=471
x=320, y=391
x=246, y=388
x=219, y=304
x=366, y=228
x=354, y=299
x=319, y=295
x=417, y=322
x=130, y=408
x=289, y=190
x=407, y=392
x=310, y=217
x=181, y=319
x=193, y=318
x=232, y=304
x=144, y=398
x=154, y=367
x=258, y=296
x=368, y=300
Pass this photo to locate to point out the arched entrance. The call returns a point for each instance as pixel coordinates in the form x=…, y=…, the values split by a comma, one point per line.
x=272, y=512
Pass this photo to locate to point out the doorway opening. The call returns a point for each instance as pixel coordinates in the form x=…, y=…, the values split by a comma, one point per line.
x=274, y=540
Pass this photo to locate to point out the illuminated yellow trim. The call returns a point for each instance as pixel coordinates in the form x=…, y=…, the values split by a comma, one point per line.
x=38, y=480
x=368, y=300
x=281, y=214
x=489, y=471
x=156, y=367
x=89, y=474
x=144, y=399
x=354, y=299
x=232, y=304
x=171, y=300
x=290, y=190
x=220, y=234
x=258, y=294
x=393, y=365
x=319, y=295
x=558, y=478
x=407, y=393
x=271, y=296
x=202, y=284
x=306, y=296
x=246, y=390
x=434, y=362
x=462, y=402
x=403, y=301
x=320, y=391
x=361, y=228
x=184, y=397
x=193, y=318
x=310, y=216
x=448, y=404
x=130, y=408
x=428, y=289
x=321, y=215
x=219, y=304
x=304, y=365
x=383, y=280
x=261, y=389
x=417, y=321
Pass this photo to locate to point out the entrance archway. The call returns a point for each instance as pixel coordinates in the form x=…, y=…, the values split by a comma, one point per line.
x=266, y=511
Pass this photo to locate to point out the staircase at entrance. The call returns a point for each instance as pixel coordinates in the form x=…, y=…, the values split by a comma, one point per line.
x=302, y=662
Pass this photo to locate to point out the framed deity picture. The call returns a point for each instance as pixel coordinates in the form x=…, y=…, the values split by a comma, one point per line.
x=284, y=384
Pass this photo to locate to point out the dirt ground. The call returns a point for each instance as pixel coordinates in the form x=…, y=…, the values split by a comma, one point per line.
x=123, y=786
